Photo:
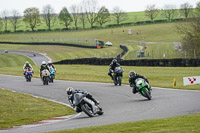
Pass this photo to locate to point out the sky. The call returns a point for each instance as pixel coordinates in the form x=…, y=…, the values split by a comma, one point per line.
x=125, y=5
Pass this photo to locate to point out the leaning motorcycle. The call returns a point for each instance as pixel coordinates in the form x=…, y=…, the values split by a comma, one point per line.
x=143, y=88
x=28, y=74
x=52, y=75
x=118, y=73
x=45, y=76
x=86, y=105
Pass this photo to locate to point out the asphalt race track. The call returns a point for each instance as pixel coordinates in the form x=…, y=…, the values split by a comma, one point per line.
x=36, y=57
x=118, y=103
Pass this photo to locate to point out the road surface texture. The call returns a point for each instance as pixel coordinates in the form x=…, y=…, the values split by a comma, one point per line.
x=118, y=102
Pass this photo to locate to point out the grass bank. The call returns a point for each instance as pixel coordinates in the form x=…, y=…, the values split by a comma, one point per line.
x=13, y=60
x=159, y=33
x=57, y=53
x=181, y=124
x=19, y=109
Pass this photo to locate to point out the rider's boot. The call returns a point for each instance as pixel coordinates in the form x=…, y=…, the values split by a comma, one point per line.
x=134, y=90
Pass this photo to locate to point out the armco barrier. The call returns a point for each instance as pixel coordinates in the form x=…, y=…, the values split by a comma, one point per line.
x=142, y=62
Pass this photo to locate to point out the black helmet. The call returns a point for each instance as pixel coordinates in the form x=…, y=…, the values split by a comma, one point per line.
x=114, y=61
x=132, y=74
x=69, y=90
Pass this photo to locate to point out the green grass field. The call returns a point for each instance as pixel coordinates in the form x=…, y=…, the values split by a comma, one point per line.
x=153, y=32
x=163, y=34
x=57, y=53
x=19, y=109
x=180, y=124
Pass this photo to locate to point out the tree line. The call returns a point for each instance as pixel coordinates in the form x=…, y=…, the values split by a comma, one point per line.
x=87, y=11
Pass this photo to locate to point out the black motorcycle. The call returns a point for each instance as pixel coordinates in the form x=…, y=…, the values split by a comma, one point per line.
x=118, y=73
x=86, y=105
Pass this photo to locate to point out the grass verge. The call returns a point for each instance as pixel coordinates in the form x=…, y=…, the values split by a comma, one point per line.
x=19, y=109
x=180, y=124
x=13, y=60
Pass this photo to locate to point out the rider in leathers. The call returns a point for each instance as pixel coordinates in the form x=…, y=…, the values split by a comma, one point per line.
x=50, y=65
x=132, y=77
x=113, y=64
x=26, y=66
x=70, y=92
x=43, y=66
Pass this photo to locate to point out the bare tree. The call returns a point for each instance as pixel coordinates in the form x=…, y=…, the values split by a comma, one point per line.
x=186, y=9
x=65, y=17
x=103, y=15
x=91, y=9
x=169, y=12
x=49, y=16
x=82, y=14
x=75, y=14
x=151, y=12
x=32, y=17
x=190, y=31
x=198, y=8
x=4, y=15
x=119, y=15
x=15, y=19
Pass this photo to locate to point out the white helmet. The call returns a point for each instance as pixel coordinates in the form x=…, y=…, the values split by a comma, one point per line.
x=69, y=90
x=44, y=63
x=27, y=62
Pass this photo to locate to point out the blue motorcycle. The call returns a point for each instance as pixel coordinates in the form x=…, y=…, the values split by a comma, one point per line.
x=52, y=75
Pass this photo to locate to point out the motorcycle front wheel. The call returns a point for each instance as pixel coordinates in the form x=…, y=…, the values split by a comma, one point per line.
x=147, y=94
x=87, y=109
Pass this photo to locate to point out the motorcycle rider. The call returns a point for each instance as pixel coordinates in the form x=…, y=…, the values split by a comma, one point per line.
x=132, y=77
x=113, y=64
x=26, y=66
x=43, y=66
x=50, y=65
x=70, y=92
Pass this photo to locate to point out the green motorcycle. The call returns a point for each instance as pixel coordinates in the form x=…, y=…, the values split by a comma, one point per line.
x=143, y=88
